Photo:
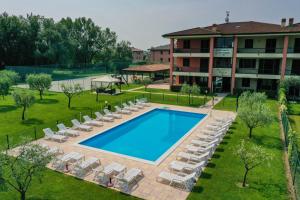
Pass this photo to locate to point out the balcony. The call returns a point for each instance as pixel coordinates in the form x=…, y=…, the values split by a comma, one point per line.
x=192, y=52
x=293, y=53
x=261, y=73
x=190, y=71
x=259, y=52
x=223, y=52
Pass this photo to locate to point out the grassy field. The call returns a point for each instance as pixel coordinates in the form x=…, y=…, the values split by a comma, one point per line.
x=225, y=170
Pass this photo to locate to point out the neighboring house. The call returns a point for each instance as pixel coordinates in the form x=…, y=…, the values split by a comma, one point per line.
x=137, y=55
x=160, y=54
x=236, y=55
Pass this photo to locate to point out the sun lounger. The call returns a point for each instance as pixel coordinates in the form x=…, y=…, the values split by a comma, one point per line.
x=53, y=150
x=90, y=122
x=204, y=143
x=61, y=161
x=183, y=182
x=209, y=138
x=124, y=181
x=187, y=167
x=122, y=111
x=104, y=175
x=135, y=105
x=79, y=126
x=82, y=168
x=200, y=150
x=142, y=102
x=192, y=157
x=49, y=134
x=100, y=117
x=63, y=130
x=127, y=107
x=113, y=115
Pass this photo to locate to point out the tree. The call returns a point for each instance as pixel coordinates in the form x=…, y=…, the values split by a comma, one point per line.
x=4, y=86
x=40, y=82
x=12, y=76
x=253, y=110
x=17, y=172
x=251, y=156
x=146, y=82
x=70, y=91
x=186, y=89
x=23, y=99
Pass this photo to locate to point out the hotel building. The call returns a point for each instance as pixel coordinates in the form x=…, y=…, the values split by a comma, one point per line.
x=236, y=55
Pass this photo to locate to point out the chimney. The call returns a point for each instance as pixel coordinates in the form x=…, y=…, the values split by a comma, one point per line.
x=214, y=27
x=283, y=22
x=291, y=21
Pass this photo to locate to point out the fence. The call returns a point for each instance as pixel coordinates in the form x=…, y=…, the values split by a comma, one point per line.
x=293, y=152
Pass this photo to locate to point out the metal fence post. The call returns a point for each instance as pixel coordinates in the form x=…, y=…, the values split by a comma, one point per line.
x=35, y=132
x=177, y=98
x=7, y=140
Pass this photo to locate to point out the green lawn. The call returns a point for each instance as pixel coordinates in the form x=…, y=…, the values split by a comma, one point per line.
x=219, y=179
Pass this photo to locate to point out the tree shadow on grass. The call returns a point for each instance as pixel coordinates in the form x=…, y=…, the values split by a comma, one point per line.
x=267, y=141
x=211, y=165
x=7, y=108
x=47, y=101
x=32, y=121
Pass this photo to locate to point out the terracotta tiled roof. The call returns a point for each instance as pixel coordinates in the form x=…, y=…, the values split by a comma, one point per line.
x=249, y=27
x=148, y=68
x=162, y=47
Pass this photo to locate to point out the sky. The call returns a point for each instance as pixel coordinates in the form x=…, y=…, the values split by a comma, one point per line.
x=143, y=22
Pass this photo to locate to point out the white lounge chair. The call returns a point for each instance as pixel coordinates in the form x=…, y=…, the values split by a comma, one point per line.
x=82, y=168
x=79, y=126
x=122, y=111
x=204, y=143
x=49, y=134
x=113, y=115
x=124, y=181
x=200, y=150
x=53, y=150
x=90, y=122
x=135, y=105
x=209, y=138
x=225, y=119
x=187, y=167
x=183, y=182
x=63, y=130
x=142, y=103
x=127, y=107
x=104, y=175
x=100, y=117
x=213, y=133
x=192, y=157
x=61, y=161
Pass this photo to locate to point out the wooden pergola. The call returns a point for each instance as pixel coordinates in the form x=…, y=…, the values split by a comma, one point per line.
x=151, y=70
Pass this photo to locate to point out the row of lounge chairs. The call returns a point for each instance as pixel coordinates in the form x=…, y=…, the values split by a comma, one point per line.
x=113, y=174
x=189, y=164
x=63, y=132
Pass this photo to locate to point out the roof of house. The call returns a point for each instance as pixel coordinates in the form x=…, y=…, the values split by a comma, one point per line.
x=236, y=28
x=135, y=49
x=148, y=68
x=162, y=47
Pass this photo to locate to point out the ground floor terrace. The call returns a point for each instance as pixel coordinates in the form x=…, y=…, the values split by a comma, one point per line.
x=147, y=187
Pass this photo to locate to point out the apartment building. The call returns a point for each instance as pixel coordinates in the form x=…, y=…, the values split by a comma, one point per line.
x=137, y=55
x=236, y=55
x=160, y=54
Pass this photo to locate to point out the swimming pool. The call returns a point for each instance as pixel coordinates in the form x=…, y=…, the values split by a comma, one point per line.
x=148, y=137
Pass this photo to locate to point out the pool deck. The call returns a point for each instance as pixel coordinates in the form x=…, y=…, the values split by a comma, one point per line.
x=147, y=187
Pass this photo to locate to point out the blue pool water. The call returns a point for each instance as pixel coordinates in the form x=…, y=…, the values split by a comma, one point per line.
x=148, y=136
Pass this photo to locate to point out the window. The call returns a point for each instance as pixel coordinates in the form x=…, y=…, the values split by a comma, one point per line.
x=222, y=63
x=249, y=43
x=246, y=82
x=186, y=62
x=269, y=66
x=204, y=64
x=247, y=63
x=297, y=45
x=204, y=46
x=270, y=45
x=161, y=52
x=223, y=42
x=161, y=60
x=168, y=59
x=295, y=67
x=186, y=44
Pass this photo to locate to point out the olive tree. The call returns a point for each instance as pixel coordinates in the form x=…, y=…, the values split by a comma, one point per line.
x=253, y=110
x=39, y=82
x=251, y=156
x=23, y=99
x=11, y=75
x=17, y=171
x=4, y=86
x=186, y=89
x=146, y=82
x=71, y=90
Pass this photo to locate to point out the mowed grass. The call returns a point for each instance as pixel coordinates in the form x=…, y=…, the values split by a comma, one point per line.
x=225, y=170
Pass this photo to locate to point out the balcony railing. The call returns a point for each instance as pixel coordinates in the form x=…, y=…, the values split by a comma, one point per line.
x=292, y=72
x=190, y=69
x=259, y=50
x=191, y=50
x=294, y=50
x=247, y=71
x=271, y=71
